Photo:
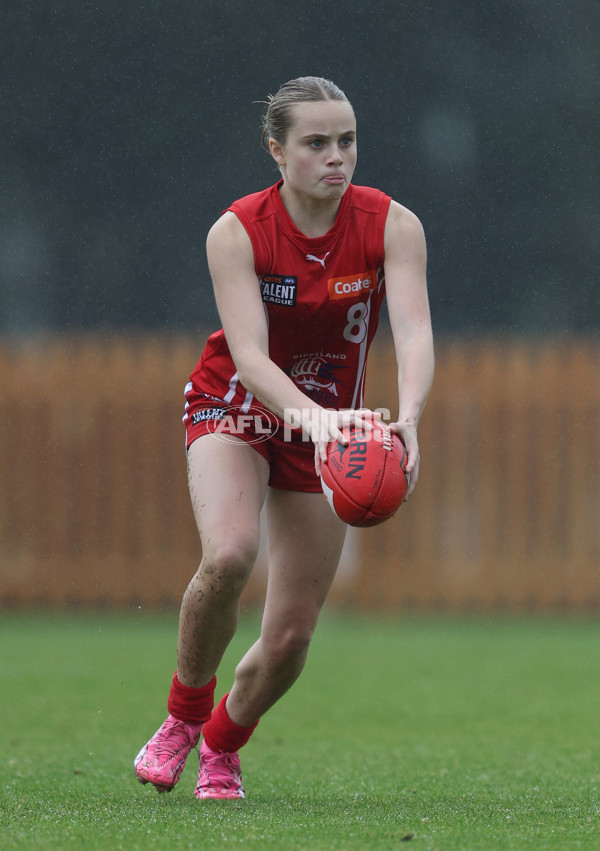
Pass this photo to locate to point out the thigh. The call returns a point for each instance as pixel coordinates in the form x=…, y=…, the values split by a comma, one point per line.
x=293, y=466
x=228, y=483
x=305, y=541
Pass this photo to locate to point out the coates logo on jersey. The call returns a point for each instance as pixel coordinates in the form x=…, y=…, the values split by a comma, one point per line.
x=253, y=425
x=279, y=289
x=317, y=378
x=352, y=285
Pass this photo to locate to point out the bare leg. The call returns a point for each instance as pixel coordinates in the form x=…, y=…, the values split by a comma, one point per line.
x=305, y=544
x=228, y=482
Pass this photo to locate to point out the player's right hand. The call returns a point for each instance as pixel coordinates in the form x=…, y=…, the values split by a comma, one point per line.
x=328, y=426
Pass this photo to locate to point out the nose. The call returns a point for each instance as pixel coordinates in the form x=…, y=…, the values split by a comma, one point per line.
x=334, y=155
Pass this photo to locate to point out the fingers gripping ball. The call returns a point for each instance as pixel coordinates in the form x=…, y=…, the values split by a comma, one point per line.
x=365, y=482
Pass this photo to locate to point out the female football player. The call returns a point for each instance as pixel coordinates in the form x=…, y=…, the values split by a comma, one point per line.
x=299, y=272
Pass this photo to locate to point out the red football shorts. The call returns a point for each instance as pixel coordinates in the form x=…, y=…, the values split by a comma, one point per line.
x=291, y=459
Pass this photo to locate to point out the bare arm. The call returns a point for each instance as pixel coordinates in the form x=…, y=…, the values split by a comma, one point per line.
x=408, y=304
x=231, y=263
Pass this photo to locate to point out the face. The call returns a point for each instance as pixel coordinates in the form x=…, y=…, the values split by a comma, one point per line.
x=319, y=155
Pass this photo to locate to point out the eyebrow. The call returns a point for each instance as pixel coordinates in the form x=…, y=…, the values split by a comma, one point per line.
x=326, y=135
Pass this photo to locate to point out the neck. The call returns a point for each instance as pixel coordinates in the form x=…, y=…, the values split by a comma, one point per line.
x=311, y=216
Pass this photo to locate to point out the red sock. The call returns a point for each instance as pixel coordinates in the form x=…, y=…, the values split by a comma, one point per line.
x=222, y=734
x=190, y=704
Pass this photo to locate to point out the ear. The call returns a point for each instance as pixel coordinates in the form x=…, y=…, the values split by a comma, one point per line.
x=277, y=151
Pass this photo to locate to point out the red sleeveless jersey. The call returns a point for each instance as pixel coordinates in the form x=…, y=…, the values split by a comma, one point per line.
x=322, y=298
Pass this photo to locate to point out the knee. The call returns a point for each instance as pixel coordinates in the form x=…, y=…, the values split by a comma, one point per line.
x=287, y=642
x=228, y=564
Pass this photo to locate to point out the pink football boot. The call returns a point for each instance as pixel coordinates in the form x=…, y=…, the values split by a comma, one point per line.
x=220, y=776
x=162, y=759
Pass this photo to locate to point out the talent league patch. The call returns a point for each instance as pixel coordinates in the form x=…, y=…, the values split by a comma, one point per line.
x=205, y=414
x=279, y=289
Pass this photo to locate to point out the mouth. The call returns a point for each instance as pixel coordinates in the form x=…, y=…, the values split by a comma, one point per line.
x=334, y=179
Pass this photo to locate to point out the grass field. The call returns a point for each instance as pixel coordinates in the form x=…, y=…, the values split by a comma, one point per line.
x=438, y=732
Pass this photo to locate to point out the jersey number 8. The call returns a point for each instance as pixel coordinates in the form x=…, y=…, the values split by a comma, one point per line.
x=356, y=329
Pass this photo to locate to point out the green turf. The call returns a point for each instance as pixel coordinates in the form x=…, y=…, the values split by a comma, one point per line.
x=448, y=734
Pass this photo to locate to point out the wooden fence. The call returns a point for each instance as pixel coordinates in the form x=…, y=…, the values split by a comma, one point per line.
x=94, y=509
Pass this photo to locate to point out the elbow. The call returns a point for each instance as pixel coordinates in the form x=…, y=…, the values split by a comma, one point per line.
x=247, y=364
x=244, y=374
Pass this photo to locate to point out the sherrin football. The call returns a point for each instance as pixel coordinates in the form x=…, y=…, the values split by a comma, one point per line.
x=365, y=482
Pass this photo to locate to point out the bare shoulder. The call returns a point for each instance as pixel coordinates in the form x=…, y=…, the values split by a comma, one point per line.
x=403, y=226
x=228, y=237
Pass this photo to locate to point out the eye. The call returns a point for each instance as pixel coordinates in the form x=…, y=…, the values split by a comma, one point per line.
x=346, y=142
x=315, y=143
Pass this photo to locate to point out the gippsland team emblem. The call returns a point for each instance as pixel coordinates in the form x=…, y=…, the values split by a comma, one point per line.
x=317, y=378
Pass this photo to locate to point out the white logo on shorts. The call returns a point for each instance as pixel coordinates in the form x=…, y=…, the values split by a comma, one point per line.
x=232, y=424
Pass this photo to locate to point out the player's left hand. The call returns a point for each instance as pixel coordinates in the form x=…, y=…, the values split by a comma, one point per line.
x=407, y=432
